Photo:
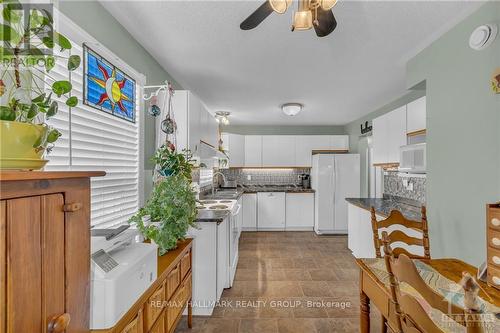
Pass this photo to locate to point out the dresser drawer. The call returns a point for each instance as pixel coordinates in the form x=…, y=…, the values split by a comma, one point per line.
x=493, y=257
x=178, y=301
x=493, y=238
x=494, y=218
x=494, y=276
x=173, y=281
x=154, y=306
x=185, y=264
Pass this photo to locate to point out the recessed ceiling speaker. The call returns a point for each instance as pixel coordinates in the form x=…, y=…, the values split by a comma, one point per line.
x=483, y=36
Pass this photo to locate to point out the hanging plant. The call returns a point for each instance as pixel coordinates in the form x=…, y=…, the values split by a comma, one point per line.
x=170, y=162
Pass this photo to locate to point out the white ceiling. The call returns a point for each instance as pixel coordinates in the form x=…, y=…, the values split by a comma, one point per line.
x=339, y=78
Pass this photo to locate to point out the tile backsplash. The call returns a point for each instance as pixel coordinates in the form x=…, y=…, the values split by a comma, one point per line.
x=400, y=185
x=265, y=176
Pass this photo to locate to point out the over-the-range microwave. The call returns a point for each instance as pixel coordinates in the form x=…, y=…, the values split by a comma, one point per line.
x=412, y=158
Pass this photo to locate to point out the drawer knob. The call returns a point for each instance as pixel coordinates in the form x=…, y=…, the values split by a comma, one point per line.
x=495, y=241
x=59, y=324
x=496, y=280
x=496, y=260
x=495, y=222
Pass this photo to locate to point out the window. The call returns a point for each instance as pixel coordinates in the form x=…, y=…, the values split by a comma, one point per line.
x=95, y=140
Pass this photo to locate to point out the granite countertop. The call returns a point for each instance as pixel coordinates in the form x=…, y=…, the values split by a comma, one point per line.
x=276, y=188
x=384, y=206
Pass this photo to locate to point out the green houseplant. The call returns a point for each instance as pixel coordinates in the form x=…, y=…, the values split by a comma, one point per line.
x=27, y=87
x=172, y=208
x=170, y=162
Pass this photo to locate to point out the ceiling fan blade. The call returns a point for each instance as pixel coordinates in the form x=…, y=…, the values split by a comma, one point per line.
x=327, y=23
x=257, y=17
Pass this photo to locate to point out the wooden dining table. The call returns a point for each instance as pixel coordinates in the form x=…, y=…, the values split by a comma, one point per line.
x=373, y=291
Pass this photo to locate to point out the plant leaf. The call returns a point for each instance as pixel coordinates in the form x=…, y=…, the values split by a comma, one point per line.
x=52, y=109
x=74, y=62
x=10, y=14
x=53, y=136
x=33, y=111
x=61, y=87
x=39, y=98
x=50, y=62
x=72, y=101
x=48, y=42
x=6, y=113
x=8, y=34
x=62, y=41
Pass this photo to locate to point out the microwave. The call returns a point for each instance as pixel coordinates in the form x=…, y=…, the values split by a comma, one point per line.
x=412, y=158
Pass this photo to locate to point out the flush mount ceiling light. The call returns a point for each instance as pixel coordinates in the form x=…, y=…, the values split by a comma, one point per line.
x=222, y=117
x=315, y=14
x=291, y=109
x=483, y=36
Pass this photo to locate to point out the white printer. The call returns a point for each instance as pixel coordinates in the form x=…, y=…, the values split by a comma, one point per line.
x=122, y=269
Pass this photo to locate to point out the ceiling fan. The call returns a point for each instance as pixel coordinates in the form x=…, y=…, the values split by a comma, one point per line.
x=315, y=14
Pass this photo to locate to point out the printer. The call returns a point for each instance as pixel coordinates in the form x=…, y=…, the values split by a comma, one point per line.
x=123, y=267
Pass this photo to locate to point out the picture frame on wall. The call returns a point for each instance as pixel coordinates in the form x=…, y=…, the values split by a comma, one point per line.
x=106, y=87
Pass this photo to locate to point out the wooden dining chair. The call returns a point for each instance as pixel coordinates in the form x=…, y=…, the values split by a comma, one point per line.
x=411, y=317
x=396, y=218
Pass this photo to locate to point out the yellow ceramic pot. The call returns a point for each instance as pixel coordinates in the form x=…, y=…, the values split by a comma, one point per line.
x=16, y=146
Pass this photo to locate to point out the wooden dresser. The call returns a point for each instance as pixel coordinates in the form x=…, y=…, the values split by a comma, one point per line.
x=493, y=239
x=45, y=251
x=160, y=308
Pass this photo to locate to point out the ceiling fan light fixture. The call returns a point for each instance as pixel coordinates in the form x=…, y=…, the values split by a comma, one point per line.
x=280, y=6
x=327, y=4
x=302, y=20
x=291, y=109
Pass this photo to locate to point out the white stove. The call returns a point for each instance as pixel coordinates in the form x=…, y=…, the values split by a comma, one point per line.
x=230, y=205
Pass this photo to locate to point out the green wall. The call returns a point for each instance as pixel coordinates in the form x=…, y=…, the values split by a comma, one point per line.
x=463, y=136
x=99, y=23
x=284, y=130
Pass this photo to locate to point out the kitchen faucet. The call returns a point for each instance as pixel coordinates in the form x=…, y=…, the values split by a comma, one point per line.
x=213, y=176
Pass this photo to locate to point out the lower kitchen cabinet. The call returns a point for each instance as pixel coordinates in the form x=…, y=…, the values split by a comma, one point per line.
x=160, y=308
x=249, y=213
x=271, y=211
x=299, y=211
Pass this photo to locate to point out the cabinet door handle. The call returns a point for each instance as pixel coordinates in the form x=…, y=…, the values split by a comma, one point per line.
x=59, y=324
x=72, y=207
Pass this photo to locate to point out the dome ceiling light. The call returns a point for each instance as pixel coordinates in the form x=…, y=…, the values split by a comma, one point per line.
x=291, y=109
x=222, y=117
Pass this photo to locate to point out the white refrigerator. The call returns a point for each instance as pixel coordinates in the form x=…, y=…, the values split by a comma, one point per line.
x=334, y=177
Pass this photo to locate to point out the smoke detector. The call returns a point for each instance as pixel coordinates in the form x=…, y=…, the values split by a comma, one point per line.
x=483, y=36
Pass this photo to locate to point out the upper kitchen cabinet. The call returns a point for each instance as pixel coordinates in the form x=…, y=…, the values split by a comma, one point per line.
x=389, y=134
x=194, y=122
x=305, y=144
x=339, y=142
x=253, y=150
x=235, y=145
x=416, y=115
x=278, y=150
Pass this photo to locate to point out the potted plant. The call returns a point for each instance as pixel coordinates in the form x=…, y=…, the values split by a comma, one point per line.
x=26, y=103
x=172, y=208
x=168, y=161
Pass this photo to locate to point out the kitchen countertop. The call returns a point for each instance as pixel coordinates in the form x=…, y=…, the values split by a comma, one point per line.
x=276, y=188
x=206, y=215
x=384, y=206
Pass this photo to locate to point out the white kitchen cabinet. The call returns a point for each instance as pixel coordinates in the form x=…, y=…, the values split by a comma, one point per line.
x=235, y=145
x=389, y=134
x=305, y=144
x=299, y=211
x=416, y=115
x=223, y=234
x=253, y=150
x=209, y=128
x=249, y=213
x=339, y=142
x=278, y=150
x=271, y=210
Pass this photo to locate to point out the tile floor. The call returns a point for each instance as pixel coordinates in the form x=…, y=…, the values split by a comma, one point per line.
x=289, y=282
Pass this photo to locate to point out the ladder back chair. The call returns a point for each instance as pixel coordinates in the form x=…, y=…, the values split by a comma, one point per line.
x=397, y=219
x=411, y=316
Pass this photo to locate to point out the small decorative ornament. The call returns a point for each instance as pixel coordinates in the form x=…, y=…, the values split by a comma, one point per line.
x=168, y=126
x=154, y=109
x=495, y=81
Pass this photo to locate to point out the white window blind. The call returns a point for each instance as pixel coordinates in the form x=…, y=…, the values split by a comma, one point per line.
x=94, y=140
